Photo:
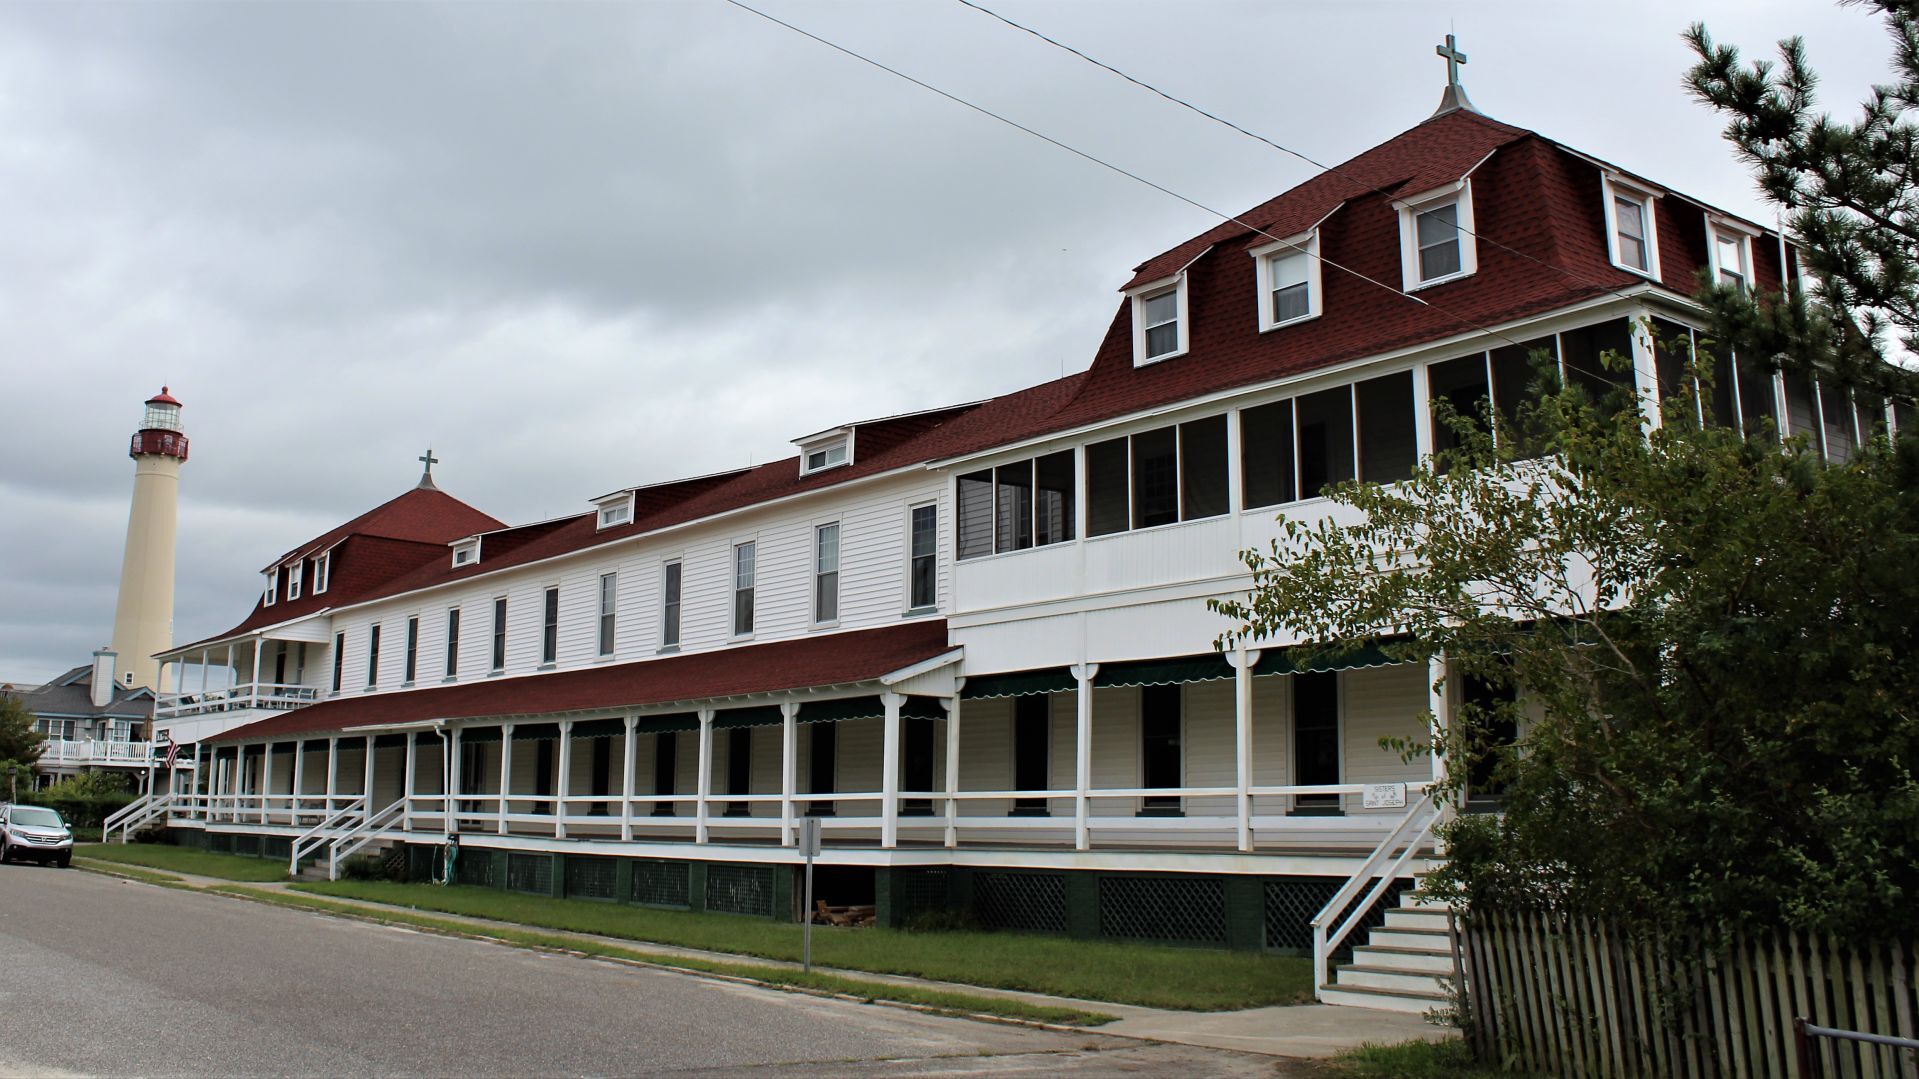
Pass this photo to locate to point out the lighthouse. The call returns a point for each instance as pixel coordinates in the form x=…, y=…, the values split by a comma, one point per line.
x=143, y=618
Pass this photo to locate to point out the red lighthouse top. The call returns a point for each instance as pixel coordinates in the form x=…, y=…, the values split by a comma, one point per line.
x=160, y=432
x=163, y=398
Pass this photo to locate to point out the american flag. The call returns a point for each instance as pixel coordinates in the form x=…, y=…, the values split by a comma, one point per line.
x=173, y=752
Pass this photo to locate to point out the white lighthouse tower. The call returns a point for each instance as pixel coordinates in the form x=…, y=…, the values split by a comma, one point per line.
x=143, y=619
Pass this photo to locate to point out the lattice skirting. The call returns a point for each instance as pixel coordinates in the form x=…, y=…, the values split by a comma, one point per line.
x=739, y=889
x=1031, y=902
x=591, y=877
x=530, y=873
x=1292, y=902
x=1189, y=910
x=661, y=884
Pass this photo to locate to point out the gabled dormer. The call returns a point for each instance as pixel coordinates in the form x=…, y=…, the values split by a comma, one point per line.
x=824, y=450
x=614, y=510
x=466, y=552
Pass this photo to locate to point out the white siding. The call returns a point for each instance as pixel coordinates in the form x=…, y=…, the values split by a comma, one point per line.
x=1375, y=703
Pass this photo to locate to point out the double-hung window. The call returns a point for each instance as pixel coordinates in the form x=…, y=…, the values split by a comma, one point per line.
x=322, y=569
x=294, y=575
x=1631, y=234
x=273, y=587
x=923, y=556
x=670, y=605
x=1160, y=329
x=412, y=649
x=1436, y=236
x=1157, y=477
x=453, y=642
x=826, y=573
x=1289, y=280
x=743, y=589
x=499, y=633
x=373, y=656
x=1731, y=249
x=1015, y=506
x=609, y=602
x=339, y=659
x=550, y=629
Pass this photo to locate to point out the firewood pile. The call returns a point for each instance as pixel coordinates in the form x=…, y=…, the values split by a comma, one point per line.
x=854, y=916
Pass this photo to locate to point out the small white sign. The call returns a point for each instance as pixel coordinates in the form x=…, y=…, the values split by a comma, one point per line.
x=1384, y=796
x=810, y=835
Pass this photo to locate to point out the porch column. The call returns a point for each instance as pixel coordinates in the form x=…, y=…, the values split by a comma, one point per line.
x=789, y=769
x=332, y=773
x=1083, y=754
x=506, y=772
x=202, y=778
x=299, y=778
x=233, y=674
x=366, y=785
x=565, y=780
x=206, y=664
x=450, y=781
x=254, y=695
x=704, y=785
x=1645, y=370
x=626, y=783
x=952, y=706
x=1243, y=662
x=266, y=781
x=1439, y=700
x=406, y=785
x=890, y=771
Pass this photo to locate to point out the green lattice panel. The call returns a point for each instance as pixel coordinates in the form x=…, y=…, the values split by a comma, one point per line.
x=247, y=844
x=739, y=889
x=220, y=842
x=474, y=867
x=1182, y=909
x=1292, y=903
x=917, y=891
x=530, y=873
x=591, y=877
x=661, y=884
x=1033, y=902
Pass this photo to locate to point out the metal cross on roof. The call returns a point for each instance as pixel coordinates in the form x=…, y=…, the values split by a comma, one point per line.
x=1453, y=57
x=426, y=476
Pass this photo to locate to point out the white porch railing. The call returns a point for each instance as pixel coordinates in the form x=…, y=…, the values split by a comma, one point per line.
x=272, y=696
x=1398, y=847
x=331, y=826
x=99, y=751
x=133, y=815
x=369, y=829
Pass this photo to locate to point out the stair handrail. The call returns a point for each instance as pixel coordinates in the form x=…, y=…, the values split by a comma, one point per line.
x=135, y=813
x=308, y=841
x=1324, y=942
x=369, y=829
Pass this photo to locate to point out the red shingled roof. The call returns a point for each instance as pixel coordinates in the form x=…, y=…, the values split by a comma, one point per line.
x=804, y=662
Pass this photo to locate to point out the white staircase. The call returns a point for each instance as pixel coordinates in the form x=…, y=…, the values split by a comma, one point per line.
x=1401, y=966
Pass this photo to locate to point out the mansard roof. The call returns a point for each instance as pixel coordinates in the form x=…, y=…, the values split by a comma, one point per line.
x=836, y=659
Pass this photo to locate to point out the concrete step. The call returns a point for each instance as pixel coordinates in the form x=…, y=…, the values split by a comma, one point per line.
x=1416, y=919
x=1403, y=959
x=1412, y=940
x=1372, y=977
x=1414, y=901
x=1386, y=1000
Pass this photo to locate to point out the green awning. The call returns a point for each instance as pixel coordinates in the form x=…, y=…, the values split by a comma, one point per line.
x=1018, y=683
x=535, y=732
x=285, y=747
x=760, y=715
x=1163, y=672
x=389, y=741
x=869, y=707
x=475, y=735
x=668, y=723
x=1301, y=658
x=600, y=728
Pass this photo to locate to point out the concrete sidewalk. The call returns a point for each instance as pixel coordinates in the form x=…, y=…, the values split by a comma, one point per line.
x=1302, y=1031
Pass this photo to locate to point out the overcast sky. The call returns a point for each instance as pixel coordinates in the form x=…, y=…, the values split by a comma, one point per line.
x=575, y=247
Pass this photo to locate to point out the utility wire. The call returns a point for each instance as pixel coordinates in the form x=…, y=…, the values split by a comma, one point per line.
x=1101, y=162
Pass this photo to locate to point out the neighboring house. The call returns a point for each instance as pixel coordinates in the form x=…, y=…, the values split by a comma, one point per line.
x=974, y=640
x=86, y=731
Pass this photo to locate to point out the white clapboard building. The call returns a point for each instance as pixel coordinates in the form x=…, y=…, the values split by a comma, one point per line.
x=974, y=640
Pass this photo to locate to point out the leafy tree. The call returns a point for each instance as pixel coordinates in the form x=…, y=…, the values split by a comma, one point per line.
x=1848, y=190
x=19, y=741
x=1709, y=640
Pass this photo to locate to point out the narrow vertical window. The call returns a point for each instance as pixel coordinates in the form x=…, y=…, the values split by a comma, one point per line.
x=1325, y=422
x=1155, y=477
x=1013, y=507
x=1292, y=291
x=339, y=659
x=609, y=602
x=1437, y=233
x=923, y=567
x=294, y=577
x=412, y=649
x=550, y=628
x=826, y=573
x=1159, y=746
x=273, y=587
x=452, y=642
x=974, y=495
x=321, y=570
x=1629, y=220
x=1465, y=384
x=1729, y=258
x=373, y=656
x=1385, y=415
x=1053, y=498
x=743, y=589
x=1161, y=315
x=670, y=606
x=499, y=633
x=1032, y=715
x=1108, y=483
x=1266, y=455
x=1316, y=737
x=1202, y=468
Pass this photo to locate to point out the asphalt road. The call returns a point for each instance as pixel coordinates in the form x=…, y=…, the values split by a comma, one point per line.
x=100, y=976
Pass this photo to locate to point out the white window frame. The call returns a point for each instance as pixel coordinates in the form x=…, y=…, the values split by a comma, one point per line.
x=293, y=579
x=836, y=452
x=272, y=594
x=1721, y=227
x=607, y=629
x=1152, y=290
x=466, y=552
x=1306, y=246
x=678, y=606
x=322, y=570
x=1460, y=193
x=1612, y=190
x=819, y=572
x=735, y=587
x=615, y=512
x=907, y=596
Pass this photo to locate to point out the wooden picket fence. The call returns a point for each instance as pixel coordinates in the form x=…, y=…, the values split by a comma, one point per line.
x=1571, y=996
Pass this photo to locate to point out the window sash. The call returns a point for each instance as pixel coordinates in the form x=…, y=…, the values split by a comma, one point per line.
x=1629, y=217
x=1437, y=237
x=609, y=606
x=1291, y=290
x=550, y=628
x=924, y=554
x=670, y=606
x=453, y=642
x=499, y=634
x=339, y=660
x=826, y=573
x=412, y=648
x=743, y=589
x=321, y=570
x=1160, y=314
x=373, y=655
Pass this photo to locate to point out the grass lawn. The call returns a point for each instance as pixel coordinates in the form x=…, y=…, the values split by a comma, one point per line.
x=185, y=860
x=944, y=1001
x=1417, y=1060
x=1188, y=978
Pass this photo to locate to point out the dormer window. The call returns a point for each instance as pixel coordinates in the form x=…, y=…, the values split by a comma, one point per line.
x=823, y=451
x=294, y=575
x=1731, y=249
x=1632, y=239
x=322, y=569
x=1159, y=320
x=273, y=587
x=1288, y=272
x=1436, y=236
x=466, y=552
x=617, y=510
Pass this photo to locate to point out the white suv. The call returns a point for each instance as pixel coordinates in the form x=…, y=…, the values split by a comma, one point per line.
x=34, y=832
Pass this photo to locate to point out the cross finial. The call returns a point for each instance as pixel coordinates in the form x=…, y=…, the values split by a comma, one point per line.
x=1453, y=57
x=426, y=476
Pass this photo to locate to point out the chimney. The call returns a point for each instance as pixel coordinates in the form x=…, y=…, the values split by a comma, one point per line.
x=104, y=661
